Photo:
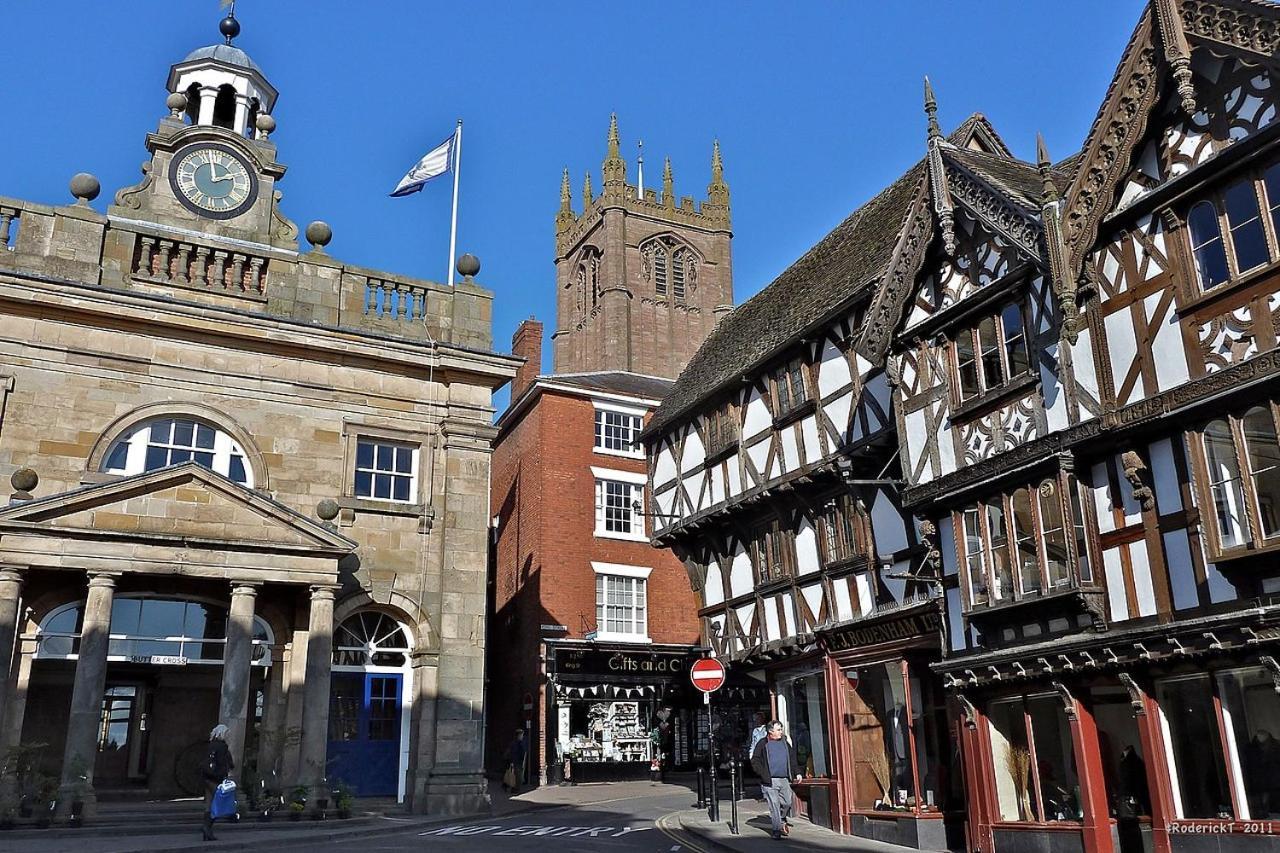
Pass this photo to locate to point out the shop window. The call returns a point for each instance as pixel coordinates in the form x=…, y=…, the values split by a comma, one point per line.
x=1228, y=230
x=599, y=731
x=1017, y=546
x=1124, y=765
x=1242, y=461
x=1251, y=722
x=789, y=389
x=992, y=352
x=163, y=442
x=890, y=715
x=802, y=702
x=617, y=431
x=1033, y=760
x=1195, y=747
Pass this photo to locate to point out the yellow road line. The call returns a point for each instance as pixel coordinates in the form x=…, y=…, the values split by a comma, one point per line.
x=667, y=825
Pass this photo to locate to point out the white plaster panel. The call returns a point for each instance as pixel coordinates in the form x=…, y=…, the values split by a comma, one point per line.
x=717, y=483
x=664, y=470
x=1055, y=397
x=758, y=453
x=893, y=581
x=694, y=454
x=812, y=447
x=1142, y=588
x=789, y=613
x=916, y=441
x=878, y=387
x=1115, y=584
x=813, y=598
x=746, y=617
x=887, y=526
x=844, y=603
x=693, y=485
x=772, y=630
x=735, y=476
x=806, y=548
x=946, y=544
x=838, y=411
x=1168, y=355
x=946, y=450
x=1182, y=573
x=833, y=370
x=713, y=588
x=864, y=367
x=740, y=578
x=1220, y=589
x=1123, y=347
x=955, y=622
x=1086, y=373
x=862, y=579
x=664, y=501
x=790, y=450
x=1101, y=489
x=1132, y=509
x=1164, y=475
x=757, y=417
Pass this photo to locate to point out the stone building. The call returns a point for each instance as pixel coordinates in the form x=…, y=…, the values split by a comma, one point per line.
x=250, y=482
x=593, y=627
x=1074, y=373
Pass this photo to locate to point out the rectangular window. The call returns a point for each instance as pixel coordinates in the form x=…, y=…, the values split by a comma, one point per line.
x=1242, y=458
x=1191, y=734
x=1251, y=722
x=621, y=606
x=616, y=509
x=842, y=529
x=617, y=431
x=1228, y=229
x=789, y=391
x=774, y=552
x=992, y=352
x=386, y=471
x=1034, y=760
x=720, y=429
x=802, y=705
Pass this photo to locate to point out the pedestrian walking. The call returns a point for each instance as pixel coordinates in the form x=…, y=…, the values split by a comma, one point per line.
x=513, y=778
x=218, y=765
x=774, y=760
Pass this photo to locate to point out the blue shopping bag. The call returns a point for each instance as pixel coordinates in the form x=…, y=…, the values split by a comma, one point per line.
x=224, y=800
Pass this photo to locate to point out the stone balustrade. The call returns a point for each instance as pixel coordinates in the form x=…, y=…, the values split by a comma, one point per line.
x=394, y=301
x=176, y=262
x=8, y=227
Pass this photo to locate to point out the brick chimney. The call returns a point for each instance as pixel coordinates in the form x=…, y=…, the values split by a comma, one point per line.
x=527, y=344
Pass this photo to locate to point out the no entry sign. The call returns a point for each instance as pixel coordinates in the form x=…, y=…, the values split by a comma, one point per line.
x=707, y=675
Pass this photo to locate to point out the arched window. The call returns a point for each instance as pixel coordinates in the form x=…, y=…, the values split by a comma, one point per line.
x=670, y=266
x=251, y=125
x=224, y=106
x=659, y=269
x=152, y=630
x=193, y=103
x=1207, y=246
x=162, y=442
x=370, y=638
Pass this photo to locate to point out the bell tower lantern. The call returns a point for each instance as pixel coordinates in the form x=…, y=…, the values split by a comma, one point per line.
x=222, y=86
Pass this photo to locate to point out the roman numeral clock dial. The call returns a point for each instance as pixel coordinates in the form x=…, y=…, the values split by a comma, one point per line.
x=213, y=181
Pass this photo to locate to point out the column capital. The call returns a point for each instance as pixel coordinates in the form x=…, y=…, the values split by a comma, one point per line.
x=103, y=579
x=249, y=588
x=320, y=592
x=11, y=573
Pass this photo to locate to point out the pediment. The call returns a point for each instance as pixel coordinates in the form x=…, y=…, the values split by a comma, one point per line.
x=187, y=503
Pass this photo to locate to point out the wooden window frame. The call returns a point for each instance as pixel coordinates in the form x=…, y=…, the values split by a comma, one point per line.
x=721, y=431
x=783, y=381
x=959, y=398
x=844, y=531
x=1255, y=542
x=1216, y=198
x=774, y=551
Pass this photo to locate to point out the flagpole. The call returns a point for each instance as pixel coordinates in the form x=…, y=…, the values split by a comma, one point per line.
x=453, y=226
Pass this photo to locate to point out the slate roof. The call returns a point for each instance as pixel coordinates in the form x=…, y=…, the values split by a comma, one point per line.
x=227, y=53
x=1020, y=181
x=842, y=266
x=615, y=382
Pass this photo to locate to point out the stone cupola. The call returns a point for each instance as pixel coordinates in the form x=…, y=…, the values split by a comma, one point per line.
x=222, y=86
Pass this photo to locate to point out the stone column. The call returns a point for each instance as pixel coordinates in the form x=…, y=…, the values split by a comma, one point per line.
x=208, y=94
x=236, y=662
x=10, y=595
x=242, y=114
x=86, y=696
x=315, y=714
x=15, y=710
x=271, y=735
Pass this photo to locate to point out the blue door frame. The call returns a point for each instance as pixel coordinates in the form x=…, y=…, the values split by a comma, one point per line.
x=364, y=731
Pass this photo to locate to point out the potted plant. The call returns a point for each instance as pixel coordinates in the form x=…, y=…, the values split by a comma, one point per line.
x=298, y=802
x=343, y=799
x=79, y=785
x=45, y=799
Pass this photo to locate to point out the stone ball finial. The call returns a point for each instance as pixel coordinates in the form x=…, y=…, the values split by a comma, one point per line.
x=229, y=27
x=176, y=102
x=24, y=480
x=468, y=265
x=319, y=234
x=266, y=123
x=327, y=509
x=85, y=187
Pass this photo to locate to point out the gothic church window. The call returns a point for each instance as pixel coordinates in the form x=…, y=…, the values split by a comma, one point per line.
x=671, y=268
x=587, y=281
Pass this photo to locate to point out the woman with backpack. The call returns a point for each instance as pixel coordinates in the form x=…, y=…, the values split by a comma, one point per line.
x=217, y=766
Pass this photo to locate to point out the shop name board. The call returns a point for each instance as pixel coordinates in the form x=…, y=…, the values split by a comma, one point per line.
x=596, y=662
x=159, y=660
x=907, y=627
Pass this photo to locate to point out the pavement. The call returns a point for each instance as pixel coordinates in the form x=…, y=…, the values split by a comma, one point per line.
x=629, y=817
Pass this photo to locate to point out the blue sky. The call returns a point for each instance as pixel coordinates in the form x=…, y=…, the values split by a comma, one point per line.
x=817, y=106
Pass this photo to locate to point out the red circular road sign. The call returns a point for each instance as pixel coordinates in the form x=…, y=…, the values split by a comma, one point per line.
x=707, y=675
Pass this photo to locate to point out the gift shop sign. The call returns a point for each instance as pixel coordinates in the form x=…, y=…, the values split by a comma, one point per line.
x=598, y=662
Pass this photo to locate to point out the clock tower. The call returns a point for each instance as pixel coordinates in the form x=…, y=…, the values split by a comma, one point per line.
x=213, y=166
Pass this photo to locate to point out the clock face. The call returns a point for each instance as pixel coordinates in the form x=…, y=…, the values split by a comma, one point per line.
x=213, y=181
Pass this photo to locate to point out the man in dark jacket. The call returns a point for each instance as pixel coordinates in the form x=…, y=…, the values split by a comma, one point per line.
x=774, y=761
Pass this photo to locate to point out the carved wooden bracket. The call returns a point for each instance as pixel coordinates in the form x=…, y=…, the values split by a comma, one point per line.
x=1136, y=702
x=1068, y=701
x=970, y=712
x=1272, y=667
x=1135, y=471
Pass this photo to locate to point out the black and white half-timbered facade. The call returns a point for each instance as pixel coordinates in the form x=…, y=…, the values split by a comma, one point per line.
x=988, y=482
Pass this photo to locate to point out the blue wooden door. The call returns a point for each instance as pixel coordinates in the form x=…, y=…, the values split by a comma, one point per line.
x=364, y=732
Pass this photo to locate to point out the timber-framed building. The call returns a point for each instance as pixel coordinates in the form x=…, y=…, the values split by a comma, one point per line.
x=1070, y=372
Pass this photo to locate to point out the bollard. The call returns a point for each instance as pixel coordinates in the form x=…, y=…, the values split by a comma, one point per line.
x=713, y=810
x=735, y=789
x=702, y=792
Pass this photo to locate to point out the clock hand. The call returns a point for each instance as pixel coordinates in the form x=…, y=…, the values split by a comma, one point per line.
x=213, y=174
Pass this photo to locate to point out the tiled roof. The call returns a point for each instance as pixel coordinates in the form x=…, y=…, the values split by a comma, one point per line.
x=842, y=266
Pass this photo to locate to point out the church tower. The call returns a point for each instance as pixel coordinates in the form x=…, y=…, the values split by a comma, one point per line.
x=641, y=277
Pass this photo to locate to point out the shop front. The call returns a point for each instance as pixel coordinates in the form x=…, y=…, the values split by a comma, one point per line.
x=895, y=762
x=619, y=711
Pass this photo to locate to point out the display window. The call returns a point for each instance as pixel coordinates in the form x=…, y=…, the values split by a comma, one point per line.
x=600, y=731
x=802, y=702
x=1124, y=764
x=895, y=725
x=1033, y=760
x=1221, y=732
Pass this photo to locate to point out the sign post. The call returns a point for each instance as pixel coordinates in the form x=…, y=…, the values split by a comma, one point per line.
x=708, y=676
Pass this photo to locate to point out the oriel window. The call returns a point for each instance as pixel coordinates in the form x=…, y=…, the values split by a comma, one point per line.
x=1242, y=462
x=992, y=352
x=1233, y=231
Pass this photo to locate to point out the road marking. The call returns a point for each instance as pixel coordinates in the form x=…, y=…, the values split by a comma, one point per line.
x=668, y=825
x=554, y=831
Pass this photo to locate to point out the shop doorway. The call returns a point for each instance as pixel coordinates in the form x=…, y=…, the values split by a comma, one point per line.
x=368, y=705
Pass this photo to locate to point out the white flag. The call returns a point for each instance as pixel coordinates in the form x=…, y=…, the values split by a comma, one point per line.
x=433, y=164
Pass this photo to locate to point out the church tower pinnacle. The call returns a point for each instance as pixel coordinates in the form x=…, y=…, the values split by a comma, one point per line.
x=642, y=279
